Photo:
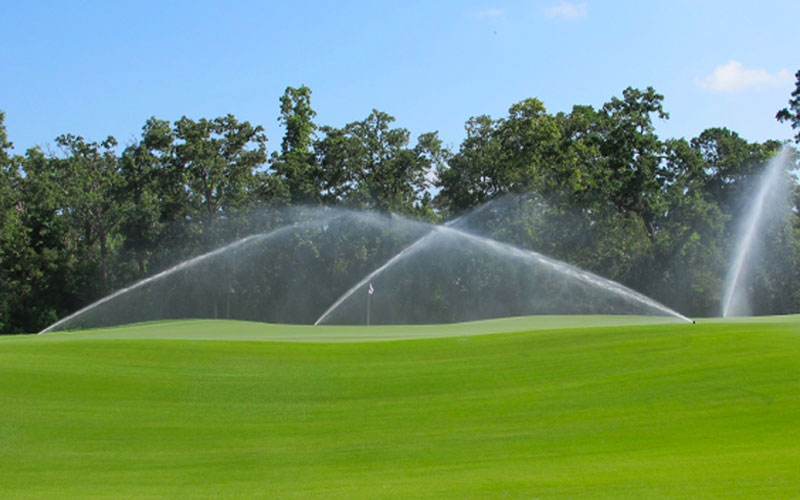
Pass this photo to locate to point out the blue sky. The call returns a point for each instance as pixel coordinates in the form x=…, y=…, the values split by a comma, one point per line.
x=102, y=68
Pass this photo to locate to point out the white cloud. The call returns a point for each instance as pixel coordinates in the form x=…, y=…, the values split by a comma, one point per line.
x=567, y=10
x=490, y=14
x=733, y=76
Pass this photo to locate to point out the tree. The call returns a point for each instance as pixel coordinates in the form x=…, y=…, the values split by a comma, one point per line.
x=148, y=197
x=40, y=259
x=9, y=177
x=218, y=159
x=791, y=113
x=530, y=138
x=91, y=182
x=472, y=176
x=689, y=255
x=729, y=162
x=368, y=164
x=295, y=166
x=631, y=174
x=8, y=174
x=581, y=136
x=515, y=154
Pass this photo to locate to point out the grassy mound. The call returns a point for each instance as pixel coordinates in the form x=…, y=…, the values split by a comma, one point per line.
x=244, y=330
x=650, y=411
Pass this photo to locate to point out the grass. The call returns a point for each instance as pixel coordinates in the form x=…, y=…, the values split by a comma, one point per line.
x=243, y=330
x=207, y=409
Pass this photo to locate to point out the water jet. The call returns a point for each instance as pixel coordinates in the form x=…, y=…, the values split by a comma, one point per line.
x=309, y=270
x=764, y=207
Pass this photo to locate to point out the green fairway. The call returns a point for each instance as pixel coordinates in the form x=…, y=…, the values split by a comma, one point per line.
x=544, y=407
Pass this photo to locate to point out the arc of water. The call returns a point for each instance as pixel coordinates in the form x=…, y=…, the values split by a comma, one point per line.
x=183, y=265
x=191, y=262
x=406, y=251
x=571, y=271
x=574, y=272
x=399, y=255
x=751, y=225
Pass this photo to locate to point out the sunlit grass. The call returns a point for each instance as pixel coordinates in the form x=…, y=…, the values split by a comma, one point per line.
x=710, y=410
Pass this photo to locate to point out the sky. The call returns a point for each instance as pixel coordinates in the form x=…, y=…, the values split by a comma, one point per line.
x=98, y=68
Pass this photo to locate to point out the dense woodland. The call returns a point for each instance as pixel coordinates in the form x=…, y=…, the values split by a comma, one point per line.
x=658, y=215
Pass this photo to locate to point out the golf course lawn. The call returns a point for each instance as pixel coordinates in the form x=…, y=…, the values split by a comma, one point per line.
x=539, y=408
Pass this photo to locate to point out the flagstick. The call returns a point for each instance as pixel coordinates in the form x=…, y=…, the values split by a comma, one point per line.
x=370, y=291
x=369, y=300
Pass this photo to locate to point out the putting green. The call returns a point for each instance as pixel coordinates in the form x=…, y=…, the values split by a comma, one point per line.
x=244, y=330
x=710, y=410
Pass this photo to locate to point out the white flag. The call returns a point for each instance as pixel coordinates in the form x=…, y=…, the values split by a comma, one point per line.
x=371, y=290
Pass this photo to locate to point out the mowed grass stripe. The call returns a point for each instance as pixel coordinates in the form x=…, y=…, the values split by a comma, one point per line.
x=661, y=411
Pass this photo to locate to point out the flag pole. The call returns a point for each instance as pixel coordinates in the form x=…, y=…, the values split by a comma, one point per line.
x=370, y=291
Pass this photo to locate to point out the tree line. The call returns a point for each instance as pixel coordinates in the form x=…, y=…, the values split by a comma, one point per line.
x=594, y=186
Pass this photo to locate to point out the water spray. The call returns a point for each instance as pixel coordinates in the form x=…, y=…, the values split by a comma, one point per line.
x=749, y=231
x=528, y=255
x=183, y=265
x=278, y=299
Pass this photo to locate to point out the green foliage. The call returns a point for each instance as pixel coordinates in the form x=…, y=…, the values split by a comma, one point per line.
x=295, y=167
x=630, y=173
x=472, y=176
x=730, y=161
x=150, y=197
x=9, y=221
x=590, y=175
x=40, y=259
x=90, y=183
x=218, y=159
x=791, y=113
x=370, y=165
x=593, y=186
